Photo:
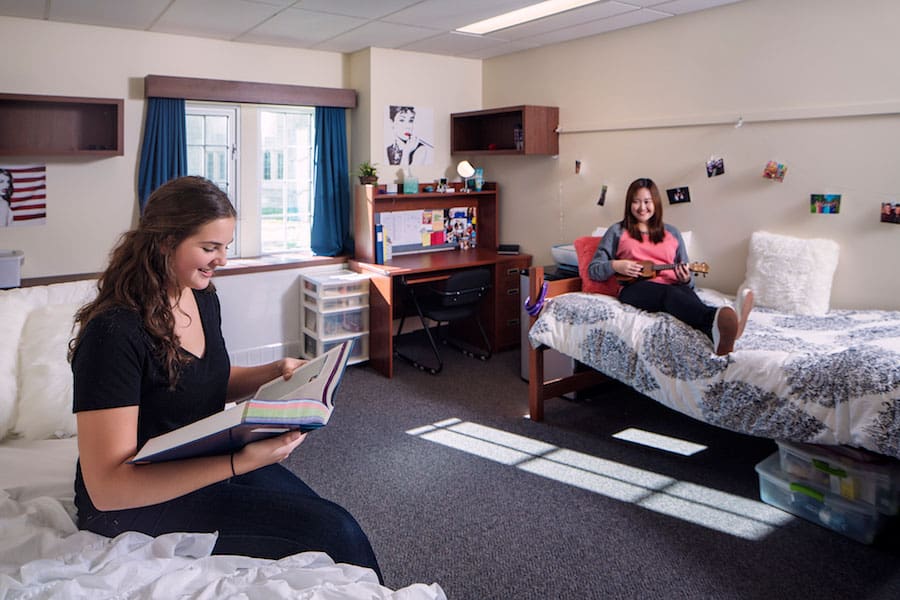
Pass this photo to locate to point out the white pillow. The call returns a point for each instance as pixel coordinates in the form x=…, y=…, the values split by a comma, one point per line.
x=13, y=312
x=686, y=237
x=45, y=377
x=791, y=274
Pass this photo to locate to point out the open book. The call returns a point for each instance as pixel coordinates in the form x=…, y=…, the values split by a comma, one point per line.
x=304, y=402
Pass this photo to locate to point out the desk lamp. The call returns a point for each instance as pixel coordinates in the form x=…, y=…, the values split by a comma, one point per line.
x=466, y=171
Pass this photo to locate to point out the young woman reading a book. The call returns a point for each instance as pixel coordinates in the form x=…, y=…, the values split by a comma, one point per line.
x=149, y=357
x=642, y=236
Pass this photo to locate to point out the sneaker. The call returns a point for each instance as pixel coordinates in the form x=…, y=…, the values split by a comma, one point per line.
x=743, y=304
x=724, y=330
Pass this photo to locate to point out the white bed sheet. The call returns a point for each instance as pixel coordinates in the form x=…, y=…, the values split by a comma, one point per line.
x=831, y=380
x=43, y=555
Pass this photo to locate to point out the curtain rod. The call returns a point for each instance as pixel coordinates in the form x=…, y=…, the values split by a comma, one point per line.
x=891, y=107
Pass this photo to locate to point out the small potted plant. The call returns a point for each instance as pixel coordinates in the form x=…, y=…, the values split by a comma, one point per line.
x=367, y=172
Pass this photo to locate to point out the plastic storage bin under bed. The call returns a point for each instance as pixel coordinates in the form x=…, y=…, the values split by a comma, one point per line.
x=856, y=520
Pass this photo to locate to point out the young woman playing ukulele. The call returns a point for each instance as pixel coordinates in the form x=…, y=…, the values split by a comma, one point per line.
x=642, y=238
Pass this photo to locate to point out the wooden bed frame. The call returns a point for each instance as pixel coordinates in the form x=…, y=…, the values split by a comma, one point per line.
x=540, y=389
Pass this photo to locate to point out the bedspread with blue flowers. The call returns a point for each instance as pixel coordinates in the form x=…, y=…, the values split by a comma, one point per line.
x=833, y=379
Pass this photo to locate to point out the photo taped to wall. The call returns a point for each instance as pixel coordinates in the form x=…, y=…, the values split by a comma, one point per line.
x=825, y=204
x=678, y=195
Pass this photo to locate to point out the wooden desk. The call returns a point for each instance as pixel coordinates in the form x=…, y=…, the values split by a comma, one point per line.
x=501, y=309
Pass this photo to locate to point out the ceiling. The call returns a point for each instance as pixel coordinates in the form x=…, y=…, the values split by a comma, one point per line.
x=351, y=25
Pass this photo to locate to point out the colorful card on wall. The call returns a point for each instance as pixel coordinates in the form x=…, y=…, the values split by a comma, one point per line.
x=825, y=204
x=774, y=170
x=437, y=220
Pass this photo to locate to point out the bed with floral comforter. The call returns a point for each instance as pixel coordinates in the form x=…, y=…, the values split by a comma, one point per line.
x=832, y=379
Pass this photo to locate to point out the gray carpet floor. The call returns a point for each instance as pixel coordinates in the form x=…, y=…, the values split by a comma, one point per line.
x=486, y=523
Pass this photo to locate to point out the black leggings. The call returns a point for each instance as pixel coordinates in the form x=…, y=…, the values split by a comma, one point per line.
x=267, y=513
x=680, y=301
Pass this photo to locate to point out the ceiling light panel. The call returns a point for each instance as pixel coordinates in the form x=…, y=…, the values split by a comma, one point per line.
x=571, y=18
x=523, y=15
x=450, y=14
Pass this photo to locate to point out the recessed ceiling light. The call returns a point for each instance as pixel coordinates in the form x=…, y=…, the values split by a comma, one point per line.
x=523, y=15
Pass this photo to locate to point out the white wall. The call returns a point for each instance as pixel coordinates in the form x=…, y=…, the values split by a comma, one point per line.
x=91, y=201
x=642, y=88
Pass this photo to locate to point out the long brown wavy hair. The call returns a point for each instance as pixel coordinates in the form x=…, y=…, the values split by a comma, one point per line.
x=655, y=224
x=140, y=275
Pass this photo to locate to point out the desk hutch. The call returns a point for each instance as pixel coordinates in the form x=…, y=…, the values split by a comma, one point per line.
x=501, y=309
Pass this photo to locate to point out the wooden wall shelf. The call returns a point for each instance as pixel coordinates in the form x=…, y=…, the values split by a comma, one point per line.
x=492, y=131
x=33, y=125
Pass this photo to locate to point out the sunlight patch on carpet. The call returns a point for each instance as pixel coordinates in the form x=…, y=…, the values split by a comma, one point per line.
x=659, y=441
x=701, y=505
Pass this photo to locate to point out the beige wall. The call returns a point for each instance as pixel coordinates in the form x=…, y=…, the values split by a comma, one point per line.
x=762, y=59
x=91, y=201
x=641, y=89
x=442, y=83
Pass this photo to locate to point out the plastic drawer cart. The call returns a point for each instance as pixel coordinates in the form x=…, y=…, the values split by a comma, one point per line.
x=335, y=308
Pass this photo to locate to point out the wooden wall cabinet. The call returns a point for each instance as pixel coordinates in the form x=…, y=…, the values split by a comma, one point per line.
x=33, y=125
x=492, y=131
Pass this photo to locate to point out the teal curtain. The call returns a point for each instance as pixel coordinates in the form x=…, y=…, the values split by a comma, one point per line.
x=164, y=149
x=330, y=234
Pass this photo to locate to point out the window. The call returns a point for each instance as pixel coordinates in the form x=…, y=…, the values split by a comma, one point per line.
x=277, y=186
x=212, y=145
x=286, y=139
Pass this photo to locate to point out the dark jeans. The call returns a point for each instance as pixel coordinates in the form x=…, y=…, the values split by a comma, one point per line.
x=680, y=301
x=267, y=513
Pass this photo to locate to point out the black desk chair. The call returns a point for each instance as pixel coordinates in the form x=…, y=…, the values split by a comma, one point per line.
x=453, y=299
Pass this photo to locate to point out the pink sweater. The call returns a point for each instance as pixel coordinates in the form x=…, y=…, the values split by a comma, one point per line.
x=661, y=253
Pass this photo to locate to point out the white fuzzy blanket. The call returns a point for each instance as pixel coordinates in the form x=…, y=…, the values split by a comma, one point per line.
x=43, y=556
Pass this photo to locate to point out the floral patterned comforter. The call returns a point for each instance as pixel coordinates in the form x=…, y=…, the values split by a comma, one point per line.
x=831, y=380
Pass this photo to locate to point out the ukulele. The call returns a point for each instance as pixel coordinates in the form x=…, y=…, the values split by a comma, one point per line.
x=650, y=270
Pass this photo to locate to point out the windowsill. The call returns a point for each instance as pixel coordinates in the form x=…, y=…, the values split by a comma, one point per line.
x=235, y=266
x=276, y=262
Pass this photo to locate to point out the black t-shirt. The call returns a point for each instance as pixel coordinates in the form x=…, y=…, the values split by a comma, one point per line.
x=115, y=366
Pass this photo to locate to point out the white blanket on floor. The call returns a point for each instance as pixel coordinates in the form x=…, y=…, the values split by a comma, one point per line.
x=42, y=555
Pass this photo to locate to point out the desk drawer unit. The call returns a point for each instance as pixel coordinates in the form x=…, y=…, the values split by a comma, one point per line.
x=507, y=312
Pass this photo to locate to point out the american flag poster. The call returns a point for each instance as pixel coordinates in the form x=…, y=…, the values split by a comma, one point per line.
x=23, y=195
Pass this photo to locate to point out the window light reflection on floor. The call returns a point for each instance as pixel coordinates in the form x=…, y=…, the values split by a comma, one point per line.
x=659, y=441
x=735, y=515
